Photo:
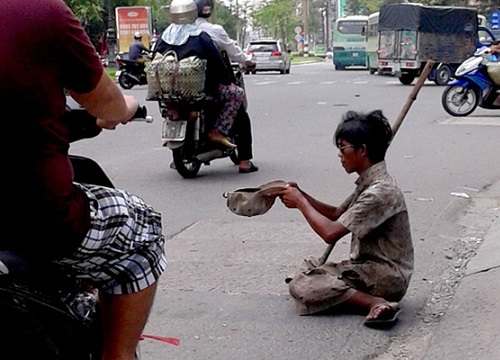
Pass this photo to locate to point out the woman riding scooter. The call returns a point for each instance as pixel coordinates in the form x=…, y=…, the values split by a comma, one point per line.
x=185, y=39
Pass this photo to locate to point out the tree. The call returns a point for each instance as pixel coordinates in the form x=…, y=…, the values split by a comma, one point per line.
x=277, y=17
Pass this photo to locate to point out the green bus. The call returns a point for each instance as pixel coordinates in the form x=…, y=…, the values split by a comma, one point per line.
x=349, y=41
x=372, y=43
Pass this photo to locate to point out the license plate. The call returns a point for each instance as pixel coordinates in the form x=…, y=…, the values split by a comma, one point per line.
x=174, y=130
x=262, y=58
x=355, y=54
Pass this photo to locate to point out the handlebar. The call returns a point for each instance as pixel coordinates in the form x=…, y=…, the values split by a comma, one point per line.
x=82, y=125
x=142, y=115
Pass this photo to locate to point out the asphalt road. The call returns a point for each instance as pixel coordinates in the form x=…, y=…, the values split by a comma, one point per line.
x=223, y=295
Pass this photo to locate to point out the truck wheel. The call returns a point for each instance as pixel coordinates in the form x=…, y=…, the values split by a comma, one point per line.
x=406, y=79
x=443, y=75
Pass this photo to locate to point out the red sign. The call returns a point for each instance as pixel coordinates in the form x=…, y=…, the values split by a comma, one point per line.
x=129, y=20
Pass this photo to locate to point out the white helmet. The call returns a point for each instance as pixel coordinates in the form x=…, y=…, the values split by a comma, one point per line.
x=137, y=35
x=183, y=11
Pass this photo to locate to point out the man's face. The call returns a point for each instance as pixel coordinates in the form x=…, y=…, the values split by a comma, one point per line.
x=495, y=49
x=350, y=156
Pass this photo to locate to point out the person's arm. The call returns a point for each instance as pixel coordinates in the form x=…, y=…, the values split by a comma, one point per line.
x=144, y=48
x=329, y=211
x=225, y=43
x=314, y=212
x=107, y=103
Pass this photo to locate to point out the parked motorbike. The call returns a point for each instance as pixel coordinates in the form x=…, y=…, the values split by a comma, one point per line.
x=130, y=73
x=472, y=87
x=45, y=312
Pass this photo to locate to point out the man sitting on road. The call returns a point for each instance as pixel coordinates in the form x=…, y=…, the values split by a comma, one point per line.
x=380, y=267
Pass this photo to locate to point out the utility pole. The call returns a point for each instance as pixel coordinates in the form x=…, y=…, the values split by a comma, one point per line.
x=305, y=20
x=237, y=13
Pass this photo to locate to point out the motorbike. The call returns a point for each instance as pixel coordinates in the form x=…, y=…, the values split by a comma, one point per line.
x=46, y=312
x=185, y=129
x=130, y=73
x=472, y=87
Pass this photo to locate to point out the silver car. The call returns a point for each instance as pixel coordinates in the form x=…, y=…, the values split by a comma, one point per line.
x=269, y=55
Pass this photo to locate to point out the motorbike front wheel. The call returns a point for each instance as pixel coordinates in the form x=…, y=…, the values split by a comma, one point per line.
x=460, y=101
x=125, y=81
x=186, y=167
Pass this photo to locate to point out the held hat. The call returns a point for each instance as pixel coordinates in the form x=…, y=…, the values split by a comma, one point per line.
x=253, y=201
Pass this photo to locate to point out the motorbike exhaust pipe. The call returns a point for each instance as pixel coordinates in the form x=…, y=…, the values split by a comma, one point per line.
x=210, y=155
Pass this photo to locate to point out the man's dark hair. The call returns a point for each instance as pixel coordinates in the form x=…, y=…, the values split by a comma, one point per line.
x=371, y=129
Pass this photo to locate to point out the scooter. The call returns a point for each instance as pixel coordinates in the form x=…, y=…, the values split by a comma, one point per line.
x=472, y=87
x=47, y=313
x=130, y=73
x=185, y=129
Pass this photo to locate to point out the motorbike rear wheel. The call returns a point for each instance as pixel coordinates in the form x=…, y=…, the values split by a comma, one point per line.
x=188, y=168
x=125, y=82
x=460, y=101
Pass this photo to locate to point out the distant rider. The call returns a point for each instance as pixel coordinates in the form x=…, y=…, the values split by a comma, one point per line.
x=137, y=48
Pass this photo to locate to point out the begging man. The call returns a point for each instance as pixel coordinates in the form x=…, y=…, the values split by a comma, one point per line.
x=380, y=267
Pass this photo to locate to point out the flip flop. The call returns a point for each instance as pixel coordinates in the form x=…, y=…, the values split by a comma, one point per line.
x=387, y=318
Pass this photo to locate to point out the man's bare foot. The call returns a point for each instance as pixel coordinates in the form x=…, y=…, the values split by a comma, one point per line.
x=383, y=314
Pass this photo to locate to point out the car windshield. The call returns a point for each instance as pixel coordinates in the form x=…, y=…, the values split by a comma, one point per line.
x=263, y=47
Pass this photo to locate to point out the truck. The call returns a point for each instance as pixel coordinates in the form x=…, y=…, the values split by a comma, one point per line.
x=412, y=34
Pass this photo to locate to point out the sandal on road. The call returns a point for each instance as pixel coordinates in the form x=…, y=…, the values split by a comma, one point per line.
x=387, y=317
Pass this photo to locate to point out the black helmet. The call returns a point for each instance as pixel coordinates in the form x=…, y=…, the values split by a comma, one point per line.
x=205, y=7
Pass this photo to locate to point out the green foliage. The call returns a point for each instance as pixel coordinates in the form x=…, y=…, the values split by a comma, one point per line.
x=87, y=11
x=278, y=18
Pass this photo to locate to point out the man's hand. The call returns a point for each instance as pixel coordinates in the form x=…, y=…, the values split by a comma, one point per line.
x=291, y=197
x=249, y=64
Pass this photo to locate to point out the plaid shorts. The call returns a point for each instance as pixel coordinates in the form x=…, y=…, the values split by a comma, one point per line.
x=123, y=252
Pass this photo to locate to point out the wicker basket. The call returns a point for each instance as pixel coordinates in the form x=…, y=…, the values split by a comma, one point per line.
x=169, y=77
x=494, y=72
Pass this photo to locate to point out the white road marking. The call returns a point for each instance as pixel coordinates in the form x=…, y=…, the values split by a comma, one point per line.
x=265, y=83
x=473, y=120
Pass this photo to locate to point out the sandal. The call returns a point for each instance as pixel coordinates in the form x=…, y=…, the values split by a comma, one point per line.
x=386, y=318
x=249, y=169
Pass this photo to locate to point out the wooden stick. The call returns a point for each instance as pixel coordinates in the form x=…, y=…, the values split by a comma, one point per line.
x=395, y=127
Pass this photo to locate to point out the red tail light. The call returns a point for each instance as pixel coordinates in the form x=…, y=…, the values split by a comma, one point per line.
x=276, y=53
x=249, y=52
